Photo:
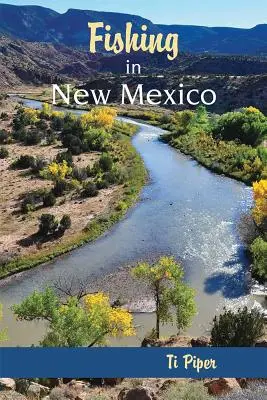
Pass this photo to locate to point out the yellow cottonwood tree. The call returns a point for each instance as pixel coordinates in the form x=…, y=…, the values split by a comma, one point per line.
x=59, y=170
x=75, y=321
x=31, y=114
x=260, y=198
x=99, y=117
x=108, y=320
x=47, y=109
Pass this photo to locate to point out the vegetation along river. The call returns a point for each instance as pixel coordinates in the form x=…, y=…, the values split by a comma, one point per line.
x=185, y=211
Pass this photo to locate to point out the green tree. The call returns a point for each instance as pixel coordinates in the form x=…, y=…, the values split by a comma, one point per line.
x=83, y=320
x=201, y=120
x=237, y=329
x=183, y=120
x=174, y=299
x=259, y=256
x=248, y=127
x=48, y=225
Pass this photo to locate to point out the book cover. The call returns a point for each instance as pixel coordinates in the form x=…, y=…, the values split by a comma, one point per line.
x=133, y=208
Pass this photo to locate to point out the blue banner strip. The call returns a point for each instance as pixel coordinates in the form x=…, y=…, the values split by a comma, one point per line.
x=133, y=362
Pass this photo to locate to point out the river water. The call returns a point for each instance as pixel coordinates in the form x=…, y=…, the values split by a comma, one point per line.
x=185, y=211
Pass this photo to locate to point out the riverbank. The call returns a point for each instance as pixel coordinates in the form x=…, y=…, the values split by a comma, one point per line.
x=241, y=154
x=91, y=218
x=213, y=155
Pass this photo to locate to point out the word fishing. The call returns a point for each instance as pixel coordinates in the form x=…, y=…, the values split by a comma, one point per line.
x=129, y=42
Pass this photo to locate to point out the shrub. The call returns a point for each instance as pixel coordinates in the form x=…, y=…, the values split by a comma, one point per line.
x=62, y=393
x=237, y=329
x=72, y=126
x=187, y=391
x=3, y=152
x=48, y=225
x=165, y=119
x=73, y=184
x=97, y=139
x=3, y=137
x=122, y=206
x=183, y=120
x=27, y=206
x=95, y=170
x=255, y=391
x=38, y=165
x=31, y=200
x=65, y=156
x=24, y=117
x=19, y=134
x=105, y=162
x=259, y=255
x=249, y=127
x=46, y=110
x=51, y=137
x=29, y=115
x=32, y=137
x=42, y=125
x=89, y=190
x=80, y=174
x=114, y=176
x=4, y=116
x=102, y=184
x=89, y=170
x=65, y=223
x=23, y=162
x=60, y=187
x=59, y=170
x=262, y=152
x=49, y=199
x=57, y=123
x=73, y=144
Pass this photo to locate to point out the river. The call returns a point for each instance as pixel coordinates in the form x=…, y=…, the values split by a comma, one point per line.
x=186, y=211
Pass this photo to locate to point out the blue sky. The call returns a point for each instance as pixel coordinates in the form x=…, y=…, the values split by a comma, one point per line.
x=238, y=13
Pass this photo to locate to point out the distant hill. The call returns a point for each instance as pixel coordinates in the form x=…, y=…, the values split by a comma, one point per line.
x=232, y=92
x=199, y=39
x=34, y=63
x=187, y=64
x=34, y=23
